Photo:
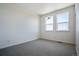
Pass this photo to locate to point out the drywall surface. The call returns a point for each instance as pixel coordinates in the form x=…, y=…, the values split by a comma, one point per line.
x=77, y=27
x=63, y=36
x=16, y=25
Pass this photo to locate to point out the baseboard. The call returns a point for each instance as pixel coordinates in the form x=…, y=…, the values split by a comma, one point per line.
x=5, y=46
x=59, y=42
x=77, y=51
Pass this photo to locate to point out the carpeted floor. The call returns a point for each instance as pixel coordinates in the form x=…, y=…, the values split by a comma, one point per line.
x=39, y=48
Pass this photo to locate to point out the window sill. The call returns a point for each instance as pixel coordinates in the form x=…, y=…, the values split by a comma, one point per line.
x=62, y=31
x=48, y=31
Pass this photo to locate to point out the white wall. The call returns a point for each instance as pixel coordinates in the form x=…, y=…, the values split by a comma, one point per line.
x=68, y=37
x=77, y=27
x=16, y=25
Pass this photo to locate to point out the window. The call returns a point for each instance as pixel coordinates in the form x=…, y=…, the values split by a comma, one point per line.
x=49, y=23
x=62, y=21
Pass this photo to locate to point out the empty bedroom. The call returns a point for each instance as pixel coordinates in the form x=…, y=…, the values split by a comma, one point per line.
x=39, y=29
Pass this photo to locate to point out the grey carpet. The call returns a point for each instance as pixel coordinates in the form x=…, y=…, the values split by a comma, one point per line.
x=39, y=48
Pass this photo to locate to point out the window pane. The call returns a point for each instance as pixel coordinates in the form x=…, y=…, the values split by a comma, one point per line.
x=49, y=27
x=49, y=23
x=49, y=20
x=63, y=17
x=63, y=21
x=63, y=26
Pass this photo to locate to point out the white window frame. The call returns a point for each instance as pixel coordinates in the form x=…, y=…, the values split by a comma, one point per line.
x=49, y=23
x=62, y=22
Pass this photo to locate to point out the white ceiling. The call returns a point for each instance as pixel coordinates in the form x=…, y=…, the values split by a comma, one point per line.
x=43, y=8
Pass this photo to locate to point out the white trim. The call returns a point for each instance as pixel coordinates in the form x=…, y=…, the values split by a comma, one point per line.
x=15, y=43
